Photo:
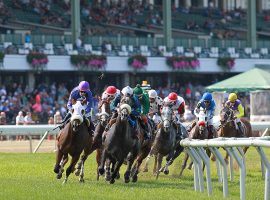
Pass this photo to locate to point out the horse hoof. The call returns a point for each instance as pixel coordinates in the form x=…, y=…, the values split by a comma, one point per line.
x=134, y=179
x=127, y=180
x=81, y=180
x=101, y=171
x=56, y=169
x=64, y=182
x=166, y=172
x=59, y=176
x=108, y=177
x=77, y=172
x=112, y=181
x=118, y=175
x=145, y=170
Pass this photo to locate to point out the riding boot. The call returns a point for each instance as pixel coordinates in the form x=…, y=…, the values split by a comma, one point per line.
x=90, y=125
x=241, y=129
x=65, y=120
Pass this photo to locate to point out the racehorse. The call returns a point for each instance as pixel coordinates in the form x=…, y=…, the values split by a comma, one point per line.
x=120, y=144
x=199, y=131
x=103, y=118
x=228, y=128
x=145, y=147
x=72, y=140
x=165, y=140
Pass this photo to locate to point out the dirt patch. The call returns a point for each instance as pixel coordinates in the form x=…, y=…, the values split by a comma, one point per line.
x=23, y=146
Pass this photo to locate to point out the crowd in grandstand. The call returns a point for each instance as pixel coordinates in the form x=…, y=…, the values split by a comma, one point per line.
x=136, y=13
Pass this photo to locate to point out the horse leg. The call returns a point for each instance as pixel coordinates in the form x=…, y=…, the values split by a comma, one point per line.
x=184, y=164
x=102, y=163
x=108, y=170
x=62, y=164
x=177, y=152
x=155, y=165
x=98, y=160
x=73, y=162
x=130, y=160
x=116, y=170
x=59, y=156
x=159, y=162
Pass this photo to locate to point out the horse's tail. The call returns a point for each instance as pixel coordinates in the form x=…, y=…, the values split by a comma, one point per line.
x=248, y=127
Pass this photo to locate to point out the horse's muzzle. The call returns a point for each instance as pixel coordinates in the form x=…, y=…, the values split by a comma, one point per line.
x=166, y=126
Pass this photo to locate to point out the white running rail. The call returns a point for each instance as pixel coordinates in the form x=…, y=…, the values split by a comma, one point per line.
x=195, y=149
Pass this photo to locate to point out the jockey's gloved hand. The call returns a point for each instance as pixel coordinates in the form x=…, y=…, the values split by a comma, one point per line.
x=198, y=105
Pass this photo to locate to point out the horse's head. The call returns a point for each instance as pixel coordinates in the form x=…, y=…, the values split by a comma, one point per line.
x=125, y=110
x=226, y=115
x=166, y=116
x=126, y=100
x=202, y=120
x=104, y=112
x=78, y=112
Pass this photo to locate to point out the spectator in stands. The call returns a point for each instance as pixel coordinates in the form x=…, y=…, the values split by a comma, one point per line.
x=57, y=118
x=28, y=119
x=20, y=118
x=50, y=121
x=78, y=43
x=19, y=121
x=27, y=38
x=3, y=121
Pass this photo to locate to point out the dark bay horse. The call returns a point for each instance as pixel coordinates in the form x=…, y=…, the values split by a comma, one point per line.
x=145, y=147
x=199, y=131
x=165, y=140
x=120, y=144
x=228, y=128
x=103, y=118
x=72, y=140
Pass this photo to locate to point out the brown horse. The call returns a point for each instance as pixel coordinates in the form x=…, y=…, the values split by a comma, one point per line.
x=199, y=131
x=165, y=140
x=120, y=144
x=228, y=128
x=103, y=117
x=72, y=140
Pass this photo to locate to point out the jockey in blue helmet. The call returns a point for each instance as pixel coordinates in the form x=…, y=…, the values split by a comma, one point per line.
x=208, y=104
x=82, y=91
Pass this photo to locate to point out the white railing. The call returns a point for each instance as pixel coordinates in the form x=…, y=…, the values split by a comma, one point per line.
x=195, y=149
x=30, y=130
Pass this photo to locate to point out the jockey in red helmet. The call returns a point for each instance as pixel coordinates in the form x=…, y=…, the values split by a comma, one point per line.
x=178, y=106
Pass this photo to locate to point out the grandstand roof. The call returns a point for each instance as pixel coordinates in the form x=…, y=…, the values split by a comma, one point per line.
x=254, y=79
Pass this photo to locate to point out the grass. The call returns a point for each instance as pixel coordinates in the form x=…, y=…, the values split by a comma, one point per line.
x=30, y=176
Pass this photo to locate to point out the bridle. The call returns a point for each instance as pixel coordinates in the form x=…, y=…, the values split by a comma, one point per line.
x=228, y=116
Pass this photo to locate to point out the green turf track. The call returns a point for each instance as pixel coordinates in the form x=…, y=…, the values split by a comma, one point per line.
x=30, y=176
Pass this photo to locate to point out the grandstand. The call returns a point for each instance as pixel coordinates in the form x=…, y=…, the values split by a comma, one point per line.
x=206, y=30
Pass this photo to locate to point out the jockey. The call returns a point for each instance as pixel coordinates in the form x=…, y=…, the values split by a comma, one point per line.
x=135, y=108
x=156, y=103
x=145, y=105
x=208, y=104
x=110, y=95
x=178, y=106
x=235, y=104
x=82, y=91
